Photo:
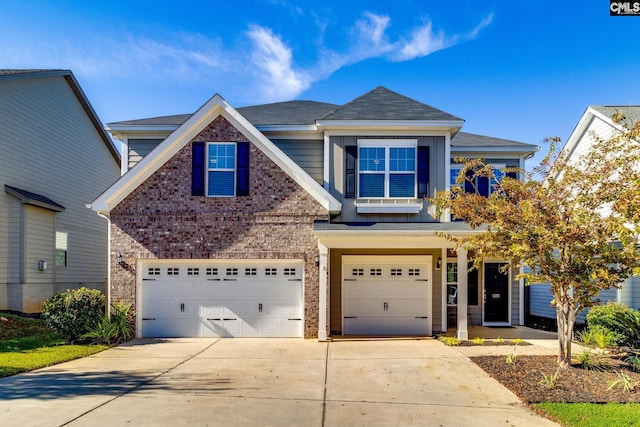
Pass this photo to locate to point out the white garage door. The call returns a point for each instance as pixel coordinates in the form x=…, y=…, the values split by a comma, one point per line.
x=386, y=295
x=251, y=298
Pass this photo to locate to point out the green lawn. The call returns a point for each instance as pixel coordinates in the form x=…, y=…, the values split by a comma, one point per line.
x=593, y=414
x=25, y=344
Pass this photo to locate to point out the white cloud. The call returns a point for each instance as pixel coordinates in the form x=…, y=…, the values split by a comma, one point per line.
x=275, y=66
x=269, y=68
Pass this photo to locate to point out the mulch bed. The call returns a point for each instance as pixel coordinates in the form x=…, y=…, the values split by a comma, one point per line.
x=573, y=385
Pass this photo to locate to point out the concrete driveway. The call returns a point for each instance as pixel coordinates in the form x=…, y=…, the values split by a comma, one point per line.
x=264, y=382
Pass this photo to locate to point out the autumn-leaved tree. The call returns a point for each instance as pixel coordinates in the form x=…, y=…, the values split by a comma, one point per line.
x=573, y=222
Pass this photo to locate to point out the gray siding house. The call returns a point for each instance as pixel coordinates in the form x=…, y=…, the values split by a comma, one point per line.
x=595, y=122
x=301, y=219
x=56, y=158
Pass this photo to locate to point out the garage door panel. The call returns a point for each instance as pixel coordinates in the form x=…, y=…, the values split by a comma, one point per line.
x=223, y=298
x=385, y=295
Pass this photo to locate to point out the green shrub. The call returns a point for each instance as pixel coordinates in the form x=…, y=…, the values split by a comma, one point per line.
x=122, y=319
x=450, y=341
x=115, y=328
x=623, y=322
x=73, y=313
x=104, y=332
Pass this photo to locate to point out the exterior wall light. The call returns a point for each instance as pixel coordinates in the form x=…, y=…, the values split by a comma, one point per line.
x=439, y=263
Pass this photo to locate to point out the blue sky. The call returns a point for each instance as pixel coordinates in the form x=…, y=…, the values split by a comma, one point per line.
x=521, y=70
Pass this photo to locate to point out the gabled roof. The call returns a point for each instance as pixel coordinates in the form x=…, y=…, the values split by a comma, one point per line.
x=380, y=104
x=605, y=114
x=384, y=104
x=464, y=141
x=215, y=107
x=29, y=198
x=632, y=112
x=7, y=75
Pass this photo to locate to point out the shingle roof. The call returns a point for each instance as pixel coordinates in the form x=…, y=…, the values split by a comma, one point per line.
x=384, y=104
x=287, y=113
x=34, y=199
x=17, y=72
x=632, y=112
x=378, y=104
x=465, y=139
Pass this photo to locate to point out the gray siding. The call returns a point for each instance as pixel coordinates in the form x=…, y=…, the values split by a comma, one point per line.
x=308, y=154
x=540, y=297
x=139, y=148
x=50, y=147
x=630, y=292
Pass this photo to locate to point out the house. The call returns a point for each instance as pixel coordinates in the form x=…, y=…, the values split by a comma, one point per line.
x=56, y=157
x=300, y=219
x=595, y=122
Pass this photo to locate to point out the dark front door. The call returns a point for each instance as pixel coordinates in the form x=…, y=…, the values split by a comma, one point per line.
x=496, y=293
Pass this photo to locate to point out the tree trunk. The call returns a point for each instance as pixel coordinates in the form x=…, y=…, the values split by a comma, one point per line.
x=566, y=318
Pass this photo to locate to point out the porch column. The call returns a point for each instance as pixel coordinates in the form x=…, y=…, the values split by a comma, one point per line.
x=323, y=294
x=462, y=332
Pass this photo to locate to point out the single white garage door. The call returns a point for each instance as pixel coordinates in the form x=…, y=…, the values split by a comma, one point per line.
x=249, y=298
x=386, y=295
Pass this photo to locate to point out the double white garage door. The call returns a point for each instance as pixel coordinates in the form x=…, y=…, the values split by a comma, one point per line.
x=249, y=298
x=386, y=295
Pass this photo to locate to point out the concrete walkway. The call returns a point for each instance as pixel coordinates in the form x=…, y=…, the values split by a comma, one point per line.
x=265, y=382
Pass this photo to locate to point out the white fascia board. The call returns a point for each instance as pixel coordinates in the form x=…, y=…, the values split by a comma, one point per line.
x=434, y=124
x=578, y=131
x=186, y=132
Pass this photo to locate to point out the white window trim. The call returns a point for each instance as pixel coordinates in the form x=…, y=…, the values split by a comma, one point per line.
x=387, y=144
x=234, y=170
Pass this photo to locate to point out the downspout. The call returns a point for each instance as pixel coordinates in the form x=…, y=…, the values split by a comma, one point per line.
x=106, y=216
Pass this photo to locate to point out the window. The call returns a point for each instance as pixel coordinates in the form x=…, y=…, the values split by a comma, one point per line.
x=387, y=169
x=270, y=271
x=220, y=169
x=480, y=185
x=61, y=249
x=173, y=271
x=193, y=271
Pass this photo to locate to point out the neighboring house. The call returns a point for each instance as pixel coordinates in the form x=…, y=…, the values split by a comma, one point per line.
x=595, y=122
x=300, y=219
x=55, y=158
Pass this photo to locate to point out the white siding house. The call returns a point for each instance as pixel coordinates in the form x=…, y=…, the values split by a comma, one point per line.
x=596, y=122
x=56, y=158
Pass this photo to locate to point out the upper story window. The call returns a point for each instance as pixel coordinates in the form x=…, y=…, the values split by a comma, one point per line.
x=480, y=185
x=387, y=169
x=220, y=169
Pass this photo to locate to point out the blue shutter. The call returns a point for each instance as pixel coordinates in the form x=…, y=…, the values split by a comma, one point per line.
x=423, y=172
x=242, y=168
x=350, y=171
x=468, y=185
x=198, y=166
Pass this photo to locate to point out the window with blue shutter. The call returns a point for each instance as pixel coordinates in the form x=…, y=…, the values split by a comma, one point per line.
x=220, y=169
x=198, y=166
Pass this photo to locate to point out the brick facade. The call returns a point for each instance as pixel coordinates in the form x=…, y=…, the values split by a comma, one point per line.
x=160, y=219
